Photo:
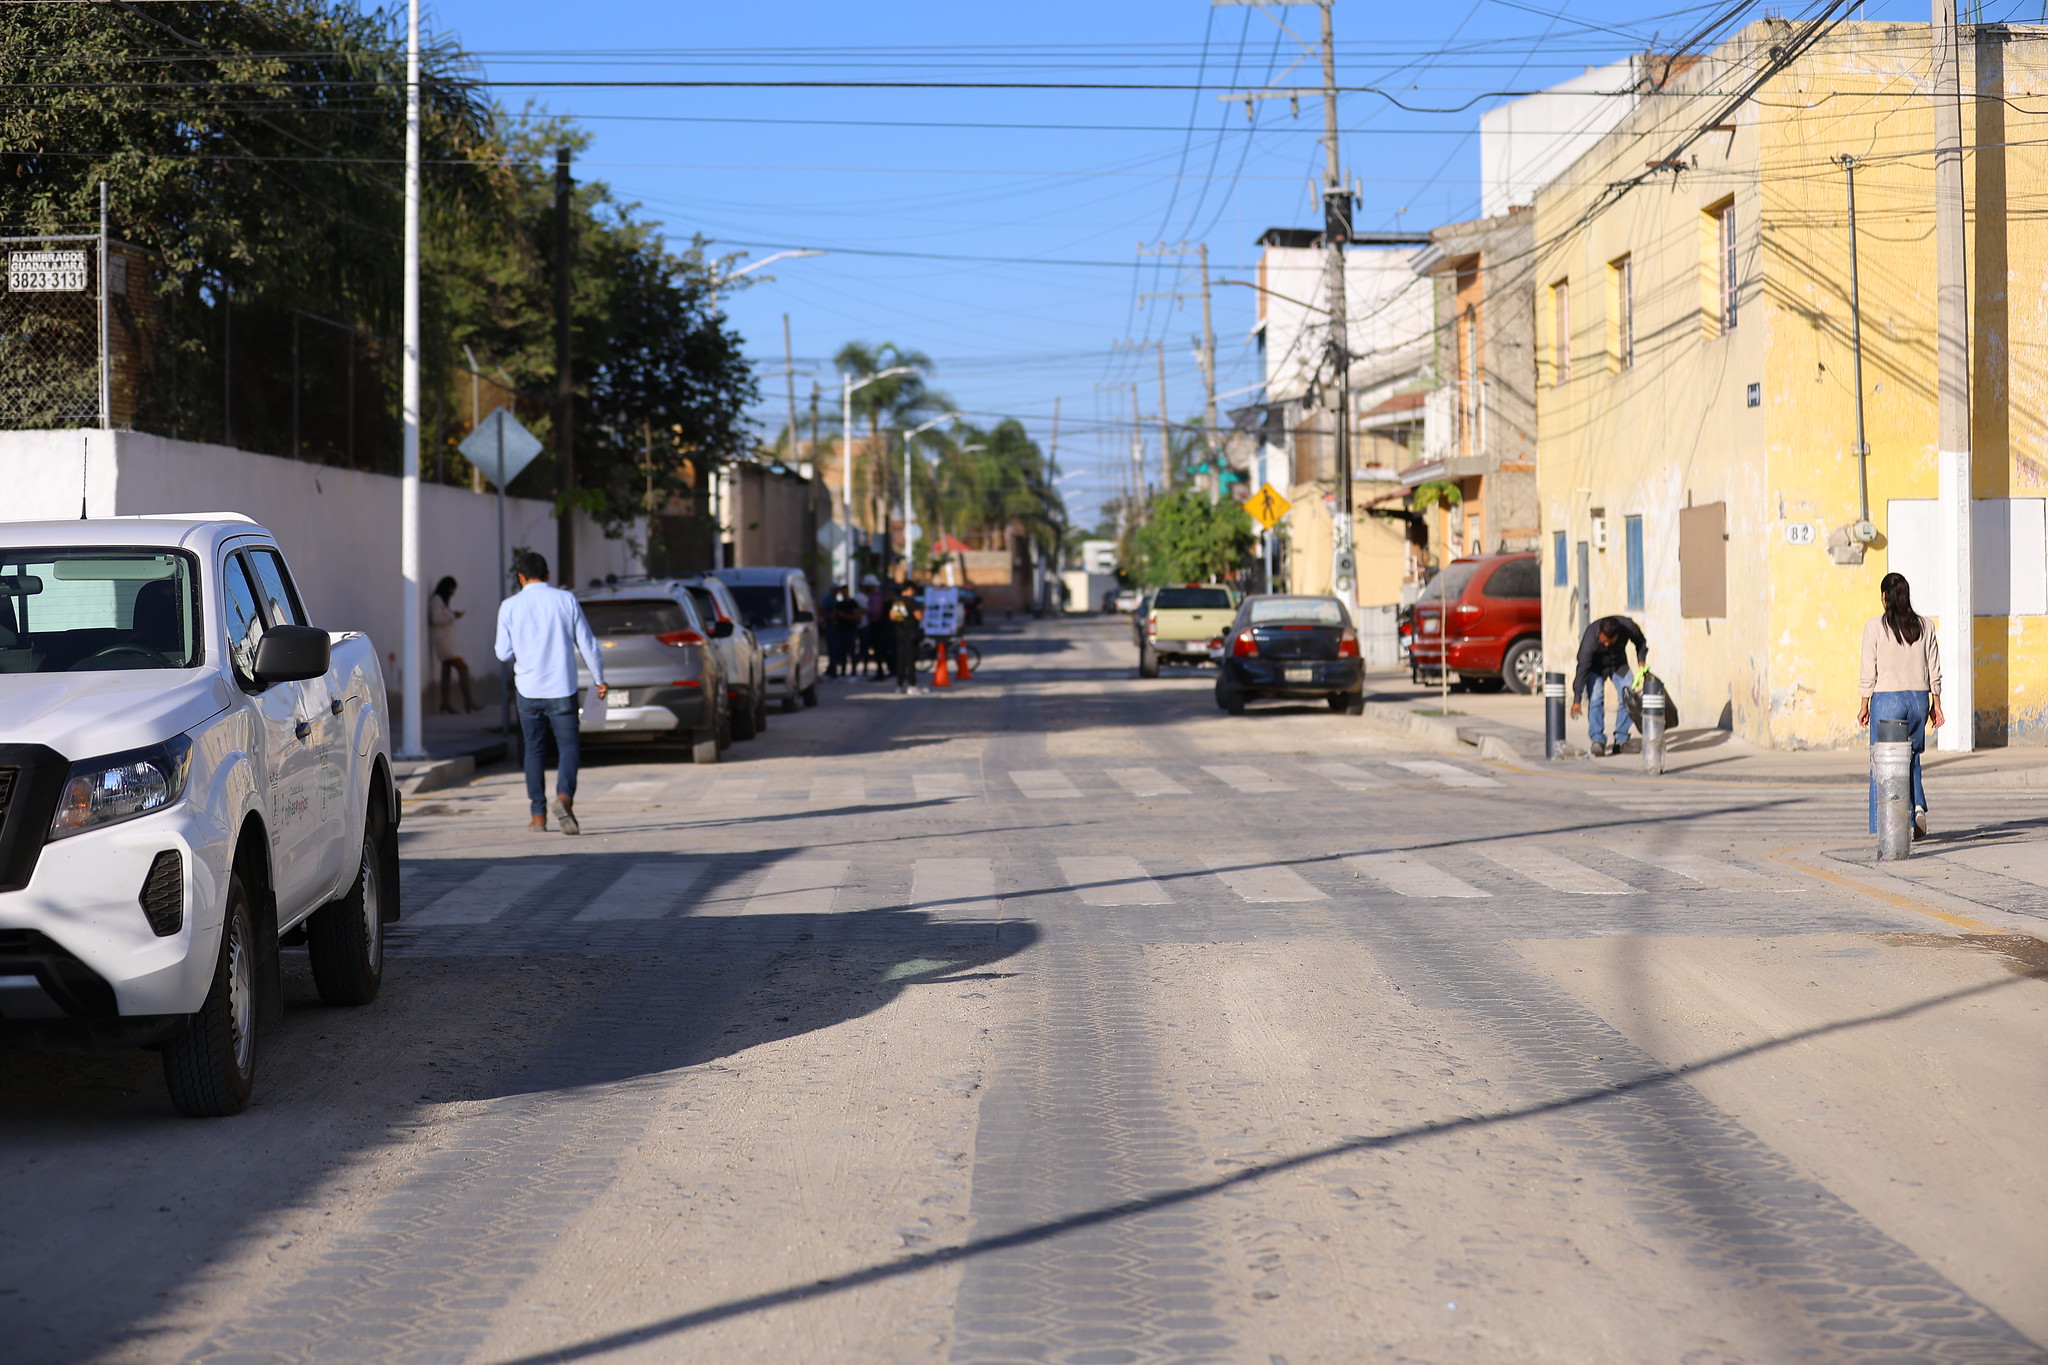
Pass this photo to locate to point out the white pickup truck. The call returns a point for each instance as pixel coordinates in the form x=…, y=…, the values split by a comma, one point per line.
x=191, y=775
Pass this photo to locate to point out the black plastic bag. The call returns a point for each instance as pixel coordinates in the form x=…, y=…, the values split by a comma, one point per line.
x=1632, y=698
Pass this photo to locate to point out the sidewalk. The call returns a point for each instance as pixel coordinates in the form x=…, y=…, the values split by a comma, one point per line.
x=456, y=747
x=1509, y=728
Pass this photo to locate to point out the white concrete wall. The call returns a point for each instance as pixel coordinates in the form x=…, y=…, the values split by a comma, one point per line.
x=339, y=527
x=1526, y=143
x=1390, y=310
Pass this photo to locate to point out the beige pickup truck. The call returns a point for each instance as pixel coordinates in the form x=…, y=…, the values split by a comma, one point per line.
x=1180, y=622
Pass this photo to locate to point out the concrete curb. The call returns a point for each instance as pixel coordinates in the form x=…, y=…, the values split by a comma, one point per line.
x=1441, y=731
x=434, y=774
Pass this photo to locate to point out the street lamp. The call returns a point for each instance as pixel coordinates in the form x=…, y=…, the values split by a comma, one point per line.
x=845, y=570
x=751, y=267
x=909, y=525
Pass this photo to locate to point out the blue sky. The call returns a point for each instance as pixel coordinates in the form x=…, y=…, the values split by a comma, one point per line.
x=1050, y=204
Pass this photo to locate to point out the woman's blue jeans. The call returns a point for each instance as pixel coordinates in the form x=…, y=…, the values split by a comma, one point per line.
x=1910, y=707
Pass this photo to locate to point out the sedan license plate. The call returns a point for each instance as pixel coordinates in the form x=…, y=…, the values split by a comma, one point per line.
x=1301, y=675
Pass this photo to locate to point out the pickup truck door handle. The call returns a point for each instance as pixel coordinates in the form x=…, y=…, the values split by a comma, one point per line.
x=335, y=706
x=303, y=728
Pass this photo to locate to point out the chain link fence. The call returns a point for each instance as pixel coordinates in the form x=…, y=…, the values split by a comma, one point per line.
x=50, y=333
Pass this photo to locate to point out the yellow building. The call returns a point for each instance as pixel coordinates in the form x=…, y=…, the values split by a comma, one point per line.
x=1696, y=407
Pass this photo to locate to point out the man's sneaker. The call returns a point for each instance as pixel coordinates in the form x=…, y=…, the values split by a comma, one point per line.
x=566, y=818
x=1920, y=824
x=1599, y=748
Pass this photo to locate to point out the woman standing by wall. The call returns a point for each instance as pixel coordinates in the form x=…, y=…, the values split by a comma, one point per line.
x=1901, y=680
x=441, y=619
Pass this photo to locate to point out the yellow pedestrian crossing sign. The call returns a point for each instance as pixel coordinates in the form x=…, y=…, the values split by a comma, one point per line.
x=1267, y=506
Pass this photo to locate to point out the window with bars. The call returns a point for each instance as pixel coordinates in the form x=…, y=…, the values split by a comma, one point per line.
x=1725, y=279
x=1622, y=311
x=1561, y=332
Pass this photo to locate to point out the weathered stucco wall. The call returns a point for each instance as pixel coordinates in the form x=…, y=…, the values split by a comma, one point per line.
x=1677, y=426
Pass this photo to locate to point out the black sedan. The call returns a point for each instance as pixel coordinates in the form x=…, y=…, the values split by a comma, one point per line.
x=1284, y=646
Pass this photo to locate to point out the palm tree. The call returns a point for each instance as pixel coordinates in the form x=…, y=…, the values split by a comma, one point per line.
x=900, y=400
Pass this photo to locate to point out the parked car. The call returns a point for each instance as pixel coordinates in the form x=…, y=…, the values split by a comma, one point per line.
x=1482, y=618
x=1288, y=646
x=1179, y=623
x=746, y=668
x=779, y=610
x=1124, y=599
x=192, y=776
x=666, y=685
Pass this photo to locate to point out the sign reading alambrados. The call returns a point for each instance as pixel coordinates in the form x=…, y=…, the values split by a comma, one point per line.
x=45, y=272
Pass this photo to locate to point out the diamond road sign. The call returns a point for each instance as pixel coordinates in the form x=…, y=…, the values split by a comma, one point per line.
x=1267, y=506
x=500, y=447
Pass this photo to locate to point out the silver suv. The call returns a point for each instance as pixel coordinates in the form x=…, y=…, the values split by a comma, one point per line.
x=666, y=682
x=746, y=669
x=782, y=615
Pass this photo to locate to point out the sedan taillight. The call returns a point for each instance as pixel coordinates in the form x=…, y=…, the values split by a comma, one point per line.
x=1347, y=645
x=1245, y=646
x=681, y=639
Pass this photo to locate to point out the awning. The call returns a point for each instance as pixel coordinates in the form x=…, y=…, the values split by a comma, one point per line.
x=1443, y=471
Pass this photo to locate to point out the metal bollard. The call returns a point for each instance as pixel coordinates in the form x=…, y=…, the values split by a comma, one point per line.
x=1891, y=771
x=1553, y=714
x=1653, y=726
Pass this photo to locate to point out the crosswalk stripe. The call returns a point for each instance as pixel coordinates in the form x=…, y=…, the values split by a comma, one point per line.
x=734, y=789
x=1710, y=872
x=1406, y=875
x=1146, y=782
x=1558, y=873
x=488, y=894
x=839, y=789
x=1044, y=784
x=799, y=886
x=646, y=891
x=637, y=786
x=940, y=786
x=1261, y=880
x=1113, y=881
x=1245, y=778
x=1450, y=774
x=963, y=886
x=1349, y=776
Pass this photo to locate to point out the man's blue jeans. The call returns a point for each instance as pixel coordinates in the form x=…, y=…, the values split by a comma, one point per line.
x=537, y=715
x=1596, y=707
x=1910, y=707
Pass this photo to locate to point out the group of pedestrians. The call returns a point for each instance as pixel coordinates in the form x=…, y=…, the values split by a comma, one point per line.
x=874, y=633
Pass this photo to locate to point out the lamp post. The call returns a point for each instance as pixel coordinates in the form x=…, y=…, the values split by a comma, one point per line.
x=909, y=521
x=752, y=266
x=844, y=573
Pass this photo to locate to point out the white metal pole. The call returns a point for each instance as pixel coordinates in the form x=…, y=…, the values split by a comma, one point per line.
x=906, y=506
x=106, y=331
x=413, y=744
x=1954, y=492
x=846, y=479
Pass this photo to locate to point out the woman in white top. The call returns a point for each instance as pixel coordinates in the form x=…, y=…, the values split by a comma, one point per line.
x=1901, y=680
x=441, y=619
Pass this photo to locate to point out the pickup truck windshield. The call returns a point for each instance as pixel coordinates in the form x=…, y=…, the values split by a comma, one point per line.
x=1190, y=599
x=94, y=609
x=761, y=602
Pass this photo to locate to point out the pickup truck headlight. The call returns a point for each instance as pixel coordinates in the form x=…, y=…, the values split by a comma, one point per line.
x=106, y=791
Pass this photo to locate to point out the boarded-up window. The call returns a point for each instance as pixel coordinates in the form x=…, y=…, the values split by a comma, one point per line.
x=1703, y=561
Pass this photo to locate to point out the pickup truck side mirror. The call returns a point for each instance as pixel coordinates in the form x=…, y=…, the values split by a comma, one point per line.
x=800, y=616
x=289, y=653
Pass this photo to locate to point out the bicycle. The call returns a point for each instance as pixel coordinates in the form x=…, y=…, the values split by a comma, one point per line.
x=928, y=653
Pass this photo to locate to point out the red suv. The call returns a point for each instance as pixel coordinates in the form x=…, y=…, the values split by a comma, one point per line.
x=1482, y=617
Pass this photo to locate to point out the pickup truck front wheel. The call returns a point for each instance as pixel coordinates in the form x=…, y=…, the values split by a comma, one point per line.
x=210, y=1062
x=345, y=938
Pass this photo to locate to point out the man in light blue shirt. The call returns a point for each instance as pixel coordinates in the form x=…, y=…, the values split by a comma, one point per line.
x=541, y=630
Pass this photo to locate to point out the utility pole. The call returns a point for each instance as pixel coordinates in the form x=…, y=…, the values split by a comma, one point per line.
x=1137, y=445
x=565, y=392
x=1955, y=500
x=1208, y=359
x=1336, y=231
x=1165, y=426
x=412, y=742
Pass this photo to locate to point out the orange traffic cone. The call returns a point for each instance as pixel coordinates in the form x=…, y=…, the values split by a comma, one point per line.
x=966, y=675
x=940, y=678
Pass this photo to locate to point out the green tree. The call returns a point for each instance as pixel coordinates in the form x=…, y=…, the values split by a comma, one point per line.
x=1188, y=539
x=986, y=481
